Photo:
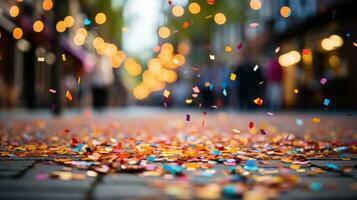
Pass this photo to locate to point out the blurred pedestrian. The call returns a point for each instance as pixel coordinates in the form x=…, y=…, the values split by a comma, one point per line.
x=274, y=81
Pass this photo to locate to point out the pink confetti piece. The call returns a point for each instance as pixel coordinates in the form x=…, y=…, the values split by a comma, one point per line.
x=52, y=91
x=323, y=81
x=270, y=113
x=253, y=25
x=239, y=46
x=196, y=89
x=41, y=177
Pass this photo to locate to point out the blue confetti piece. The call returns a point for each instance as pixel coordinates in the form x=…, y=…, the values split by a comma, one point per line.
x=299, y=122
x=326, y=102
x=250, y=165
x=173, y=169
x=215, y=152
x=211, y=87
x=316, y=186
x=224, y=92
x=331, y=166
x=86, y=22
x=229, y=190
x=78, y=148
x=151, y=158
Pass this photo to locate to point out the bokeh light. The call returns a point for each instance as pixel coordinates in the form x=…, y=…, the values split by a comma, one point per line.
x=69, y=20
x=140, y=92
x=60, y=26
x=38, y=26
x=17, y=33
x=289, y=59
x=255, y=4
x=100, y=18
x=220, y=18
x=47, y=5
x=164, y=32
x=285, y=11
x=194, y=8
x=177, y=11
x=14, y=11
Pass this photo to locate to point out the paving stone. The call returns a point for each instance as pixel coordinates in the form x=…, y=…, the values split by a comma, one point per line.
x=125, y=179
x=9, y=173
x=127, y=192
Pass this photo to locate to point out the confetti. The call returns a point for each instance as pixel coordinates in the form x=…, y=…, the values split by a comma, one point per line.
x=63, y=57
x=236, y=130
x=326, y=102
x=253, y=25
x=233, y=76
x=224, y=92
x=355, y=44
x=68, y=95
x=196, y=89
x=188, y=117
x=323, y=81
x=239, y=46
x=79, y=80
x=251, y=125
x=277, y=49
x=166, y=93
x=211, y=57
x=262, y=132
x=255, y=67
x=52, y=91
x=315, y=120
x=296, y=91
x=270, y=113
x=299, y=122
x=41, y=59
x=86, y=22
x=258, y=101
x=188, y=101
x=228, y=49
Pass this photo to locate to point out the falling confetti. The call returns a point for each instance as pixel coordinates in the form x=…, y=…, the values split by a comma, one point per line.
x=41, y=59
x=323, y=81
x=233, y=76
x=277, y=49
x=316, y=120
x=63, y=57
x=52, y=91
x=211, y=57
x=326, y=102
x=239, y=46
x=166, y=93
x=68, y=95
x=188, y=101
x=258, y=101
x=196, y=89
x=255, y=67
x=228, y=49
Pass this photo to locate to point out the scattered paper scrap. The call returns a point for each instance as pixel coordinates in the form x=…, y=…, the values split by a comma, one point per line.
x=166, y=93
x=233, y=76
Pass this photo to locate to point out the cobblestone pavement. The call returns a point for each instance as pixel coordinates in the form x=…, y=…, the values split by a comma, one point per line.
x=27, y=177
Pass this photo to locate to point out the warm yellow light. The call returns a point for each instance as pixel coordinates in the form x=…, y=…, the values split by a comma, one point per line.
x=167, y=48
x=79, y=40
x=177, y=11
x=61, y=26
x=98, y=42
x=140, y=92
x=289, y=59
x=179, y=59
x=47, y=5
x=155, y=65
x=100, y=18
x=327, y=44
x=194, y=8
x=69, y=20
x=14, y=11
x=132, y=67
x=334, y=61
x=220, y=18
x=110, y=50
x=255, y=4
x=285, y=11
x=171, y=76
x=82, y=31
x=17, y=33
x=337, y=40
x=183, y=48
x=38, y=26
x=164, y=32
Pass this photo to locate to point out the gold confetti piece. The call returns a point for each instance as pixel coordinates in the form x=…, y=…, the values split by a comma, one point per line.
x=209, y=16
x=316, y=120
x=355, y=44
x=236, y=130
x=296, y=91
x=69, y=95
x=294, y=166
x=188, y=101
x=228, y=49
x=233, y=76
x=41, y=59
x=79, y=80
x=166, y=93
x=64, y=57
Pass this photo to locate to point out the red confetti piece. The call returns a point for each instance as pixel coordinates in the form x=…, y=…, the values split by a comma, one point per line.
x=258, y=101
x=251, y=125
x=306, y=52
x=185, y=25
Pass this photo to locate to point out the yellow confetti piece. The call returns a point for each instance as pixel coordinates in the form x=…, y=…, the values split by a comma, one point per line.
x=236, y=130
x=233, y=76
x=294, y=166
x=316, y=120
x=41, y=59
x=296, y=91
x=64, y=57
x=79, y=80
x=69, y=95
x=228, y=49
x=188, y=101
x=166, y=93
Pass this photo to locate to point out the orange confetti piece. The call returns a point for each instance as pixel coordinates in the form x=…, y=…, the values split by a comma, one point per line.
x=258, y=101
x=69, y=95
x=316, y=120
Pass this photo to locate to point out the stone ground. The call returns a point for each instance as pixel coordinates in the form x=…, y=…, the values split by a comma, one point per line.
x=18, y=175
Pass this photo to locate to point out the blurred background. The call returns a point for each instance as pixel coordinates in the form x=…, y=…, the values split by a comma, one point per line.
x=233, y=54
